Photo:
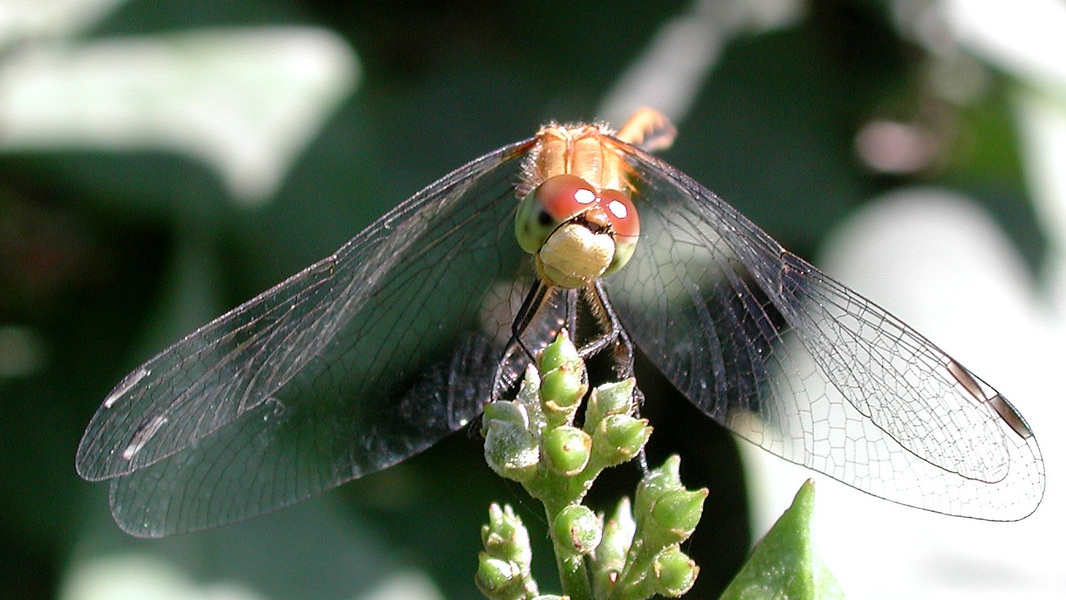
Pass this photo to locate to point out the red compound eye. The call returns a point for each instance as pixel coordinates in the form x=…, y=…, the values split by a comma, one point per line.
x=565, y=196
x=622, y=213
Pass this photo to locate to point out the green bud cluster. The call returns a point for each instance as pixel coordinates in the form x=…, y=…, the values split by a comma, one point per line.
x=664, y=514
x=535, y=440
x=503, y=571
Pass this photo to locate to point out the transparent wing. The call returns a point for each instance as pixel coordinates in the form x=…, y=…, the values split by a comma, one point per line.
x=349, y=366
x=808, y=369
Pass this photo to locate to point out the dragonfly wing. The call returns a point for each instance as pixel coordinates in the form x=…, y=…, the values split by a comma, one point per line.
x=349, y=366
x=808, y=369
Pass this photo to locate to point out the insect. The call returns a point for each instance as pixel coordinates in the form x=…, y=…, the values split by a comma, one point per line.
x=401, y=336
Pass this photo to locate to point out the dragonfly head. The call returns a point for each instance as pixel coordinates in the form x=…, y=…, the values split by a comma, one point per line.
x=576, y=232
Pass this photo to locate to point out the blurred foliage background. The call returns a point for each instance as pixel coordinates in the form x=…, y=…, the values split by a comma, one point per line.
x=162, y=161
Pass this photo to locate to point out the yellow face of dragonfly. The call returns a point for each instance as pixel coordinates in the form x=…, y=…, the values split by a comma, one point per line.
x=576, y=232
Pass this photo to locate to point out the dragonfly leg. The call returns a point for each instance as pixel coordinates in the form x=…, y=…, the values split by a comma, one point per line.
x=611, y=332
x=534, y=300
x=530, y=305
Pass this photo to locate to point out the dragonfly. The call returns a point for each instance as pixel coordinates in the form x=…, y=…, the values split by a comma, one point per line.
x=401, y=336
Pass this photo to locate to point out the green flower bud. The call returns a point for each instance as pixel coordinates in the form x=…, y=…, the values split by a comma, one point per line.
x=654, y=484
x=529, y=398
x=559, y=352
x=673, y=572
x=510, y=448
x=619, y=438
x=567, y=449
x=530, y=387
x=562, y=387
x=496, y=578
x=610, y=399
x=578, y=528
x=611, y=554
x=506, y=538
x=674, y=517
x=509, y=413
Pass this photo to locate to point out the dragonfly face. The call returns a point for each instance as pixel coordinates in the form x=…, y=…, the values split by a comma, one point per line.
x=577, y=217
x=576, y=232
x=398, y=339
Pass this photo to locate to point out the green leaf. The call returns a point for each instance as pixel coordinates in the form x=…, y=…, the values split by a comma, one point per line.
x=784, y=565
